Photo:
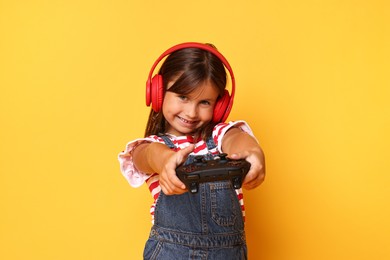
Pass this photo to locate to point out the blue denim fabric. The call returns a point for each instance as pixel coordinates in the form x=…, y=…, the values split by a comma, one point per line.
x=207, y=225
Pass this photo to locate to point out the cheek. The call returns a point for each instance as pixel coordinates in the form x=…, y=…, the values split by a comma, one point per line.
x=207, y=114
x=169, y=106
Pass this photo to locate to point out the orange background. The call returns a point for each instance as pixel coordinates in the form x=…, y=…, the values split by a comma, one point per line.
x=312, y=81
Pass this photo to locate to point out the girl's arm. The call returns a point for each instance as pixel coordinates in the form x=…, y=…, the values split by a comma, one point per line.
x=158, y=158
x=240, y=145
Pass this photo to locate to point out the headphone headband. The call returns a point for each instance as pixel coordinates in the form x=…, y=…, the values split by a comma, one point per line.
x=198, y=46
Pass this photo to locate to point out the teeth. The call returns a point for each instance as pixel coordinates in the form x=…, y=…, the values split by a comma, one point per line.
x=186, y=121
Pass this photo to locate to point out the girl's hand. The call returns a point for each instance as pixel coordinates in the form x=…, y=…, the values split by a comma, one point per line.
x=256, y=173
x=169, y=182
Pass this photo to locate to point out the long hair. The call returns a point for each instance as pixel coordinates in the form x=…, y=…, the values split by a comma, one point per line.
x=189, y=68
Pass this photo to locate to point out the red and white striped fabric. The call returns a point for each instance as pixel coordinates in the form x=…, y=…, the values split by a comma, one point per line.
x=137, y=178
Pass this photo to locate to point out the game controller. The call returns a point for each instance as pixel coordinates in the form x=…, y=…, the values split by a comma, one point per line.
x=218, y=169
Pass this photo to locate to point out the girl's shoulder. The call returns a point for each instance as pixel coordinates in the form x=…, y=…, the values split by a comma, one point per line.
x=222, y=128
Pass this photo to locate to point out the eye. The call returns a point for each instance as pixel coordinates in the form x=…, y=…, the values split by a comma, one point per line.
x=205, y=102
x=182, y=97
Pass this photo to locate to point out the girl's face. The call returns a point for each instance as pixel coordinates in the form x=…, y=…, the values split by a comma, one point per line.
x=185, y=114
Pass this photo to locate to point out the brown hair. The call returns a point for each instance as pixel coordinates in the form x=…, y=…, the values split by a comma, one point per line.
x=189, y=68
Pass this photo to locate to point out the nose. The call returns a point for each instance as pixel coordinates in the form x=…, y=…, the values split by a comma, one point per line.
x=191, y=111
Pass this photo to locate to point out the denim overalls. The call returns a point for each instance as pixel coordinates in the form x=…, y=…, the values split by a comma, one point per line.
x=205, y=225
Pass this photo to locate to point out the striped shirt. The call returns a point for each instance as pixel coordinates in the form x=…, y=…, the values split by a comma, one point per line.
x=137, y=178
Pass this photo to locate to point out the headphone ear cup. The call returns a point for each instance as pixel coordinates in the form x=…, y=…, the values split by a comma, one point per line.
x=157, y=94
x=220, y=113
x=148, y=92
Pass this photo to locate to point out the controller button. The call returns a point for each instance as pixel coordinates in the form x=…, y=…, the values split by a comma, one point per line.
x=223, y=156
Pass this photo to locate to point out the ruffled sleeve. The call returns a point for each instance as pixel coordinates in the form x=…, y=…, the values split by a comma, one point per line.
x=135, y=177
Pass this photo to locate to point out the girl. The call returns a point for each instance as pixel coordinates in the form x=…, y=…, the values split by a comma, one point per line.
x=189, y=106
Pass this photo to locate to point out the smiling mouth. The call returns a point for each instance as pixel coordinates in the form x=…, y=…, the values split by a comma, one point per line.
x=187, y=121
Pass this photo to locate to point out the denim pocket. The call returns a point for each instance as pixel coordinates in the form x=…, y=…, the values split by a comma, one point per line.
x=224, y=203
x=162, y=250
x=152, y=249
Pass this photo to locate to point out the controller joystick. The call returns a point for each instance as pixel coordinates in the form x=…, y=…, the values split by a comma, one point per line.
x=198, y=160
x=222, y=157
x=219, y=169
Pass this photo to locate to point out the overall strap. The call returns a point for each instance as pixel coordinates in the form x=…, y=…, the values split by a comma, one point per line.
x=210, y=143
x=190, y=159
x=167, y=141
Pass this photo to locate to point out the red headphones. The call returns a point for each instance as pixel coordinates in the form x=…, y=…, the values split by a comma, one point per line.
x=155, y=89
